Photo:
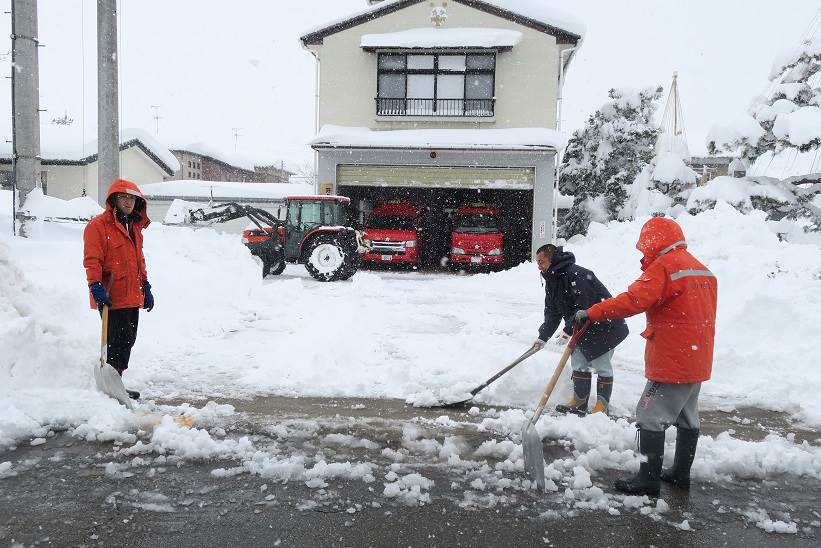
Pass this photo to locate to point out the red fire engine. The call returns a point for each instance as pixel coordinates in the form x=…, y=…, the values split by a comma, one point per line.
x=392, y=232
x=477, y=237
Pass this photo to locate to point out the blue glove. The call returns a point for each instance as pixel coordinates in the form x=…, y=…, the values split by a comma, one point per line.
x=99, y=294
x=148, y=304
x=580, y=317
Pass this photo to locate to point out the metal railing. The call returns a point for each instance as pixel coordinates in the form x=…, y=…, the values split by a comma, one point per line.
x=405, y=106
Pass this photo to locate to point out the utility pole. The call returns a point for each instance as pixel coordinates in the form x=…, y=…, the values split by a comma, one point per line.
x=237, y=135
x=157, y=117
x=25, y=103
x=108, y=134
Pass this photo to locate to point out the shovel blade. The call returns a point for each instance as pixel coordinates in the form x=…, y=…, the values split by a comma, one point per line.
x=110, y=383
x=533, y=453
x=450, y=405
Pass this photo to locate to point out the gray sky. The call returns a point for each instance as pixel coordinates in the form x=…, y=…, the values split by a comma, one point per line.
x=213, y=66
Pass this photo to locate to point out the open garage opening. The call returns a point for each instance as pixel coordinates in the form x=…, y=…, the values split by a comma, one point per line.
x=437, y=208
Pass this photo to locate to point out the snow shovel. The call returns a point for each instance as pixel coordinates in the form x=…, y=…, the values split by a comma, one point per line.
x=532, y=448
x=108, y=380
x=532, y=350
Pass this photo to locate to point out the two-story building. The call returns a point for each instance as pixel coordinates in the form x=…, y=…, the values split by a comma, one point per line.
x=445, y=102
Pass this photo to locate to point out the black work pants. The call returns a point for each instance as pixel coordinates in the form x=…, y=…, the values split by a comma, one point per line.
x=122, y=332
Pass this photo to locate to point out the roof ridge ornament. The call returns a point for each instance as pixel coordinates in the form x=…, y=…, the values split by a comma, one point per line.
x=438, y=14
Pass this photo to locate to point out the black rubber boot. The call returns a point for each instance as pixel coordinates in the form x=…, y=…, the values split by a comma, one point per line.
x=581, y=393
x=648, y=480
x=604, y=388
x=133, y=394
x=679, y=474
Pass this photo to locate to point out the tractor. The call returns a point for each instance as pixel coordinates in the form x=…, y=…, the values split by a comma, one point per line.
x=315, y=232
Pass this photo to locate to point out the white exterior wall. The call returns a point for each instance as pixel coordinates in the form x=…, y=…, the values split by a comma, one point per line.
x=526, y=76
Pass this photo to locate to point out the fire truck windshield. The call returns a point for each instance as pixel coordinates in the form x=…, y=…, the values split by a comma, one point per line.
x=391, y=223
x=476, y=224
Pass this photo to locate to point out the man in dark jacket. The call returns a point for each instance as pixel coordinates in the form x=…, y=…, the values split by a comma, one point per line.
x=569, y=288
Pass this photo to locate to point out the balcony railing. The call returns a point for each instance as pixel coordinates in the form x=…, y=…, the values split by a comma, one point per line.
x=386, y=106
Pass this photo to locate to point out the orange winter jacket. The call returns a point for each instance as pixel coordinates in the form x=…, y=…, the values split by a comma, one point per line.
x=679, y=296
x=111, y=256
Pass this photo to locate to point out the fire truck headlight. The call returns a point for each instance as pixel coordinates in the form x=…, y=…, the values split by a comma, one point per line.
x=494, y=252
x=457, y=250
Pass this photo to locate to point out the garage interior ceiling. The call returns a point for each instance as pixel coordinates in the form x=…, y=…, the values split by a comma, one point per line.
x=516, y=178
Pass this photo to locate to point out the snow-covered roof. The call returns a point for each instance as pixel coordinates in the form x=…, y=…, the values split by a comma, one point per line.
x=128, y=138
x=504, y=139
x=204, y=149
x=536, y=14
x=221, y=190
x=429, y=37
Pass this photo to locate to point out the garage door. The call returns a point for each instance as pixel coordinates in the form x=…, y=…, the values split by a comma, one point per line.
x=436, y=176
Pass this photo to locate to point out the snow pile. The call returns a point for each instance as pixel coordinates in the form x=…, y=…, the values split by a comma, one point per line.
x=217, y=329
x=43, y=207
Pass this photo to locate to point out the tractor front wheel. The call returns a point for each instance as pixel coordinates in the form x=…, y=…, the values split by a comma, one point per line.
x=273, y=269
x=327, y=260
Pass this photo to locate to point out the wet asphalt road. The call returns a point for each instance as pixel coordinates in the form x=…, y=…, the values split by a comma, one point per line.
x=61, y=495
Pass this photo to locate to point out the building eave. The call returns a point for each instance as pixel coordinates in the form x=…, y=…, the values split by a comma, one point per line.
x=316, y=37
x=433, y=146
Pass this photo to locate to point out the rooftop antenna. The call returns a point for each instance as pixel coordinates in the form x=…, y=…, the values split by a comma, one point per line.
x=237, y=135
x=157, y=117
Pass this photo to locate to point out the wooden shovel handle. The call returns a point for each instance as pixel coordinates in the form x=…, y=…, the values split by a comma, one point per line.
x=104, y=333
x=571, y=345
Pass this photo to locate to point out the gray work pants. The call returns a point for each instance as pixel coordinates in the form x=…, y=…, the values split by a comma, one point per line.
x=663, y=404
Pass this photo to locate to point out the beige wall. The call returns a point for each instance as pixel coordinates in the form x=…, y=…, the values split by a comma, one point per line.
x=526, y=76
x=66, y=182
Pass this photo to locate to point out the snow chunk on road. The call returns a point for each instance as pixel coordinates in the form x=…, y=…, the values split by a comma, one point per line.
x=409, y=489
x=349, y=441
x=6, y=470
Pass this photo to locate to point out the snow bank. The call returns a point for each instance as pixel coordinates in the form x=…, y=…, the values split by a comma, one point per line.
x=218, y=329
x=41, y=206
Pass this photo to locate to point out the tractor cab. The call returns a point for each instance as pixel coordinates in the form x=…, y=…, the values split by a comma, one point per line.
x=309, y=215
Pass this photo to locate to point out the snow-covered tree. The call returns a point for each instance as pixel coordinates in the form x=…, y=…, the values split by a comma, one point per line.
x=787, y=116
x=784, y=122
x=673, y=178
x=603, y=158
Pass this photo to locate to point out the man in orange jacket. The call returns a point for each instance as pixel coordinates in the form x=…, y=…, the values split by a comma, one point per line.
x=115, y=268
x=679, y=296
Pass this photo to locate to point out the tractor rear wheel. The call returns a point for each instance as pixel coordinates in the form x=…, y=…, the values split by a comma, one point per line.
x=327, y=259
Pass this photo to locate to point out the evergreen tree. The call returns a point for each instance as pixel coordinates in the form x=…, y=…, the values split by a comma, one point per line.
x=603, y=158
x=786, y=120
x=787, y=116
